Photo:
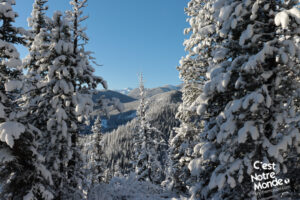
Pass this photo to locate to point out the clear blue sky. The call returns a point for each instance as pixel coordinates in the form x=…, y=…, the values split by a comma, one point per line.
x=129, y=37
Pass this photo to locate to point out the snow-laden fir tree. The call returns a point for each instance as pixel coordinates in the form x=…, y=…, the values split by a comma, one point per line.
x=94, y=160
x=58, y=90
x=38, y=20
x=61, y=79
x=38, y=99
x=23, y=174
x=76, y=17
x=36, y=64
x=65, y=106
x=192, y=71
x=97, y=155
x=98, y=160
x=96, y=166
x=94, y=156
x=37, y=41
x=148, y=143
x=251, y=97
x=86, y=82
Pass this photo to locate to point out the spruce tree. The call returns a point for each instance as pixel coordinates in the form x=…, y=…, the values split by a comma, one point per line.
x=147, y=143
x=62, y=81
x=59, y=103
x=58, y=93
x=192, y=72
x=23, y=174
x=250, y=97
x=94, y=158
x=38, y=20
x=37, y=41
x=97, y=157
x=36, y=64
x=85, y=82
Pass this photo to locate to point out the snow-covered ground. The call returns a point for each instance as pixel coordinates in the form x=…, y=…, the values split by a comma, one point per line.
x=128, y=188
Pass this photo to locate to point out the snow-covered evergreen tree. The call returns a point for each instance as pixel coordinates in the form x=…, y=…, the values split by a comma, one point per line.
x=38, y=19
x=76, y=18
x=38, y=40
x=147, y=144
x=249, y=101
x=62, y=82
x=192, y=71
x=36, y=63
x=97, y=157
x=64, y=106
x=94, y=159
x=23, y=174
x=86, y=82
x=96, y=165
x=83, y=57
x=58, y=90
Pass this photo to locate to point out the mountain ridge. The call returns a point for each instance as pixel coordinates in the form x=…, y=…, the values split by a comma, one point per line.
x=156, y=96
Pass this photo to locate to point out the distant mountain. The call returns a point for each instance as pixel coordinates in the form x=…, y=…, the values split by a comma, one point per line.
x=109, y=94
x=125, y=91
x=155, y=96
x=174, y=87
x=135, y=93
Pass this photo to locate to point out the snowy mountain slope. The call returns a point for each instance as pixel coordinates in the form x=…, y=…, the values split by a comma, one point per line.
x=160, y=111
x=116, y=119
x=153, y=101
x=130, y=105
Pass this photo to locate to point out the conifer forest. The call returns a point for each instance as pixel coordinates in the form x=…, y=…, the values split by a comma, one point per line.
x=229, y=131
